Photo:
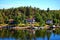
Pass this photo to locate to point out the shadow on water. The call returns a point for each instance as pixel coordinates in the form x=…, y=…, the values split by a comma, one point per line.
x=29, y=34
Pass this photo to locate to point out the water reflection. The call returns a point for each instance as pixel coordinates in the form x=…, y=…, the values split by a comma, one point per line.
x=29, y=34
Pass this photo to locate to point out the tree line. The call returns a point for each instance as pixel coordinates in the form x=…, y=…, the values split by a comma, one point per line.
x=20, y=14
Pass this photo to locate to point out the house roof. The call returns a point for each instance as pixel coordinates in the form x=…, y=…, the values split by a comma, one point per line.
x=49, y=21
x=11, y=20
x=30, y=19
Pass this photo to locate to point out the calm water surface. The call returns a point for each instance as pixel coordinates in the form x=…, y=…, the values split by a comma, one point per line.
x=30, y=34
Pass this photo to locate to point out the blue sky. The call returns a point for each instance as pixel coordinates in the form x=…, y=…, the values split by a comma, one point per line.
x=42, y=4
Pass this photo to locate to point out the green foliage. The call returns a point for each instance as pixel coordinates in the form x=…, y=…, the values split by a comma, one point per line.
x=21, y=13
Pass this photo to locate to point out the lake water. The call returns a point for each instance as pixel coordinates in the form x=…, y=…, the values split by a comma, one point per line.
x=30, y=34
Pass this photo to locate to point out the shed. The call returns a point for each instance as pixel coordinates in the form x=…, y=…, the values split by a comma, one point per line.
x=49, y=21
